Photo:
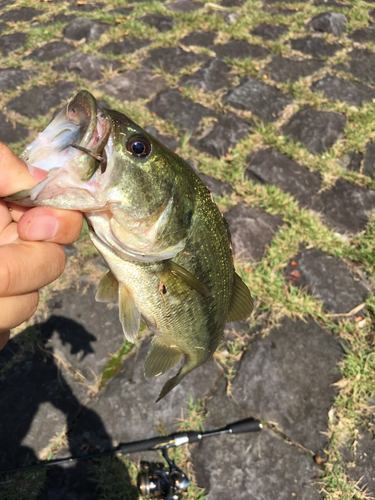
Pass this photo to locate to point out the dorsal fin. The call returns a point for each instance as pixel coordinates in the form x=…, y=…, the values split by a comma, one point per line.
x=107, y=290
x=161, y=358
x=129, y=315
x=242, y=303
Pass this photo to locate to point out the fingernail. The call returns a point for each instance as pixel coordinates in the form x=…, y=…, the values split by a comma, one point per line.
x=41, y=228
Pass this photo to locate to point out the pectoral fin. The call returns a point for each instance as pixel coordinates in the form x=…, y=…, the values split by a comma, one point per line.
x=161, y=358
x=130, y=317
x=186, y=277
x=242, y=303
x=107, y=290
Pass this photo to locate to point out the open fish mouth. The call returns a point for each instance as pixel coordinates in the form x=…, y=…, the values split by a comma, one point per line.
x=68, y=153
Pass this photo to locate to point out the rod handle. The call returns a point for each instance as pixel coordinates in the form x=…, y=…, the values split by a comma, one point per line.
x=245, y=425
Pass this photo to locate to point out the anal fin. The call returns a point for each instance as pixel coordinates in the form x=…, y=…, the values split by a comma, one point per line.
x=129, y=315
x=107, y=290
x=161, y=358
x=189, y=365
x=242, y=303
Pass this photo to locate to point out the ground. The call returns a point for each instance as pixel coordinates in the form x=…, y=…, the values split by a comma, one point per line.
x=272, y=103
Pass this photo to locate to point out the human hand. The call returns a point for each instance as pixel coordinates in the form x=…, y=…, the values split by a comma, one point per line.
x=30, y=256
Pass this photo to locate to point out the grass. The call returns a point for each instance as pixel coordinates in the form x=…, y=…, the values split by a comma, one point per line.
x=116, y=476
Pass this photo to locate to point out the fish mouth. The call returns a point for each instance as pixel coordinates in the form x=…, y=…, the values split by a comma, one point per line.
x=68, y=152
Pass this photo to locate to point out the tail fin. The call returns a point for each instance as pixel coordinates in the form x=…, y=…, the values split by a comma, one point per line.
x=187, y=367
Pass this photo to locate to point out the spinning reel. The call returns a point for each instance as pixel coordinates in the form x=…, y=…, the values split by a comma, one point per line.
x=156, y=481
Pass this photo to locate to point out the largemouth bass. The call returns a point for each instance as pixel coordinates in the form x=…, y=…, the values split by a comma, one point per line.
x=163, y=238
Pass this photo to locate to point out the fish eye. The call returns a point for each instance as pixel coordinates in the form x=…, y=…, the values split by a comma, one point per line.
x=138, y=146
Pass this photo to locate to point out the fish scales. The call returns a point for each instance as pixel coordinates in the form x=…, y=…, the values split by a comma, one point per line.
x=163, y=238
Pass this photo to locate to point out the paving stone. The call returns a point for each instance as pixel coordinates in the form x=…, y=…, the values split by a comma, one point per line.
x=352, y=161
x=86, y=65
x=37, y=400
x=363, y=35
x=282, y=12
x=239, y=49
x=215, y=186
x=263, y=100
x=328, y=22
x=316, y=130
x=199, y=38
x=314, y=46
x=159, y=21
x=11, y=131
x=3, y=27
x=332, y=3
x=51, y=51
x=87, y=7
x=122, y=11
x=171, y=105
x=12, y=42
x=327, y=277
x=287, y=378
x=133, y=84
x=211, y=77
x=6, y=3
x=127, y=46
x=82, y=27
x=268, y=32
x=336, y=205
x=362, y=64
x=184, y=6
x=252, y=230
x=283, y=69
x=168, y=140
x=334, y=87
x=272, y=167
x=369, y=162
x=60, y=18
x=127, y=405
x=250, y=466
x=232, y=3
x=229, y=16
x=372, y=13
x=363, y=473
x=83, y=332
x=172, y=59
x=23, y=14
x=11, y=78
x=225, y=134
x=39, y=100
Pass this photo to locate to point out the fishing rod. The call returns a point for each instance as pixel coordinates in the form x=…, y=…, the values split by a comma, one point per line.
x=155, y=480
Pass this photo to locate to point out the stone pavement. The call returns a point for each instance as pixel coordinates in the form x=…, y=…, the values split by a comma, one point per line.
x=269, y=91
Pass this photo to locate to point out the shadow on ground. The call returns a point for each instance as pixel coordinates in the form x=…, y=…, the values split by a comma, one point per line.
x=39, y=400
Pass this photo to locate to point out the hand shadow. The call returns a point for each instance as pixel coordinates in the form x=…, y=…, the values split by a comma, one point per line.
x=38, y=400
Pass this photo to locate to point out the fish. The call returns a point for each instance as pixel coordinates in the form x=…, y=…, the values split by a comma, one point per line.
x=165, y=242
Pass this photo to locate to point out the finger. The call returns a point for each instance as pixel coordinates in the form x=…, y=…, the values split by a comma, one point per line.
x=42, y=223
x=16, y=211
x=5, y=216
x=16, y=310
x=14, y=173
x=27, y=266
x=4, y=337
x=9, y=234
